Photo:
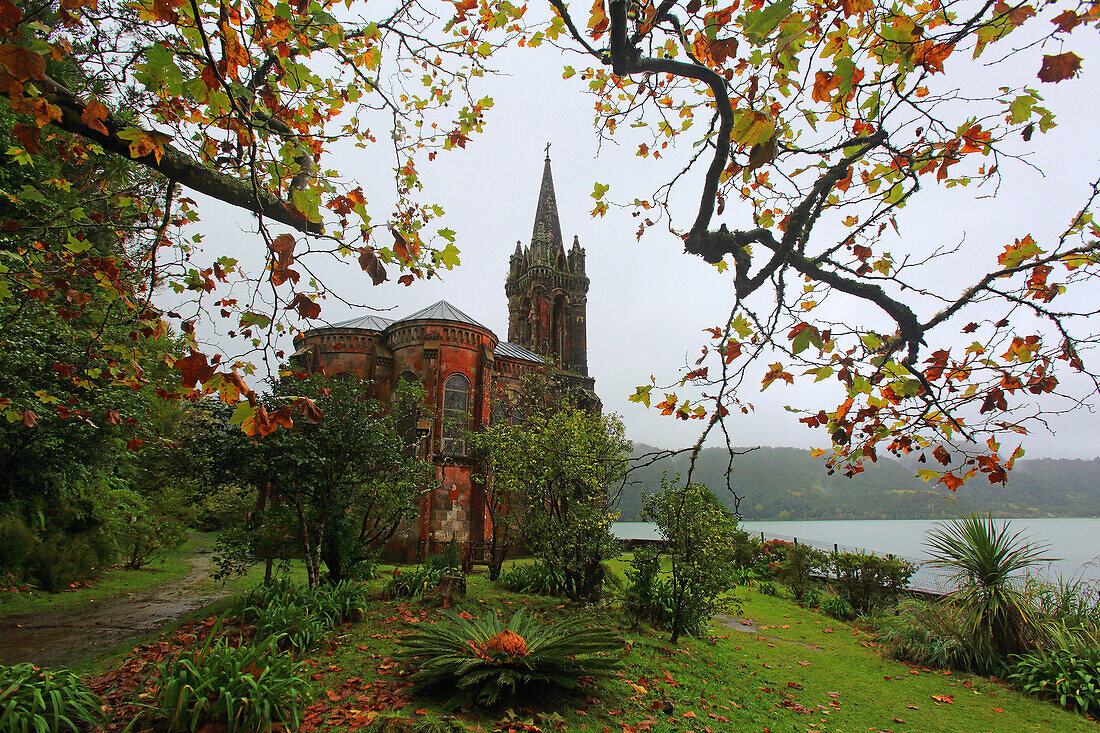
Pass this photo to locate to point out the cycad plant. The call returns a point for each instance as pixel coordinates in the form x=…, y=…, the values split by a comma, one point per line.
x=479, y=661
x=986, y=561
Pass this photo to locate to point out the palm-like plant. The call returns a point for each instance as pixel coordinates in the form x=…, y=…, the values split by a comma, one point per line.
x=482, y=660
x=986, y=559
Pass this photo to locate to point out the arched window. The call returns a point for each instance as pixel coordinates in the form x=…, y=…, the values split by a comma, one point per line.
x=456, y=414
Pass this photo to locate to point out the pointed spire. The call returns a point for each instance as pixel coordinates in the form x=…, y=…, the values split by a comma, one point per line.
x=547, y=228
x=519, y=249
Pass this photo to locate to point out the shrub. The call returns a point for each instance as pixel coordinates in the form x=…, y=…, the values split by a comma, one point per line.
x=651, y=597
x=16, y=544
x=44, y=701
x=427, y=723
x=866, y=580
x=412, y=582
x=1070, y=678
x=983, y=558
x=449, y=559
x=299, y=617
x=479, y=661
x=936, y=634
x=795, y=566
x=837, y=607
x=809, y=596
x=748, y=551
x=768, y=587
x=700, y=548
x=537, y=577
x=245, y=688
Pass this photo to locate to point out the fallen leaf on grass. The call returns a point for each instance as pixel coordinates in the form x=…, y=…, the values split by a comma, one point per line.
x=805, y=664
x=942, y=698
x=912, y=707
x=998, y=710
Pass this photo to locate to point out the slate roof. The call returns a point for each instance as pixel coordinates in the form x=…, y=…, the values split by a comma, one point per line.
x=442, y=311
x=366, y=323
x=515, y=351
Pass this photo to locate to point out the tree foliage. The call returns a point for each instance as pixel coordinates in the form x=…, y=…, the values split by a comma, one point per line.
x=556, y=471
x=701, y=551
x=332, y=491
x=812, y=125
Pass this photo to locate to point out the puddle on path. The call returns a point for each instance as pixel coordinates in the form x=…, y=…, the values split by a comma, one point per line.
x=750, y=627
x=56, y=639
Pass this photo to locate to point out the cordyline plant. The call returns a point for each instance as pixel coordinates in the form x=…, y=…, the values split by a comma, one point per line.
x=812, y=124
x=482, y=661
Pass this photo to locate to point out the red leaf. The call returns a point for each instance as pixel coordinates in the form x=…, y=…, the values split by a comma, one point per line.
x=194, y=369
x=134, y=444
x=1067, y=21
x=29, y=137
x=22, y=63
x=29, y=419
x=306, y=308
x=943, y=698
x=941, y=455
x=1060, y=67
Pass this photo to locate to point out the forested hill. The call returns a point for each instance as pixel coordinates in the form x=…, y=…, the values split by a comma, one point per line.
x=789, y=483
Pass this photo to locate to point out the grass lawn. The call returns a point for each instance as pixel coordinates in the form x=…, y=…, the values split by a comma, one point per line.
x=801, y=671
x=112, y=583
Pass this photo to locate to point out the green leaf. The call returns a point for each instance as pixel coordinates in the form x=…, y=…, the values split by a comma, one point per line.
x=759, y=24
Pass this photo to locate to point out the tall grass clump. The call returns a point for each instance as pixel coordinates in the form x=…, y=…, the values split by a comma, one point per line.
x=45, y=701
x=245, y=688
x=299, y=617
x=481, y=661
x=537, y=577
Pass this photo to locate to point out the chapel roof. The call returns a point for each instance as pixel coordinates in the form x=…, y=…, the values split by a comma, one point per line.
x=366, y=323
x=441, y=311
x=515, y=351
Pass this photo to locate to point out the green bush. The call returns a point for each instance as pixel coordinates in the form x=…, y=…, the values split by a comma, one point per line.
x=809, y=596
x=937, y=634
x=299, y=617
x=837, y=607
x=16, y=544
x=536, y=577
x=650, y=597
x=449, y=559
x=412, y=582
x=748, y=551
x=1070, y=678
x=480, y=661
x=867, y=580
x=246, y=688
x=43, y=701
x=56, y=561
x=768, y=588
x=795, y=566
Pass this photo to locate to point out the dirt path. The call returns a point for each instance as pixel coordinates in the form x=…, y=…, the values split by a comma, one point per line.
x=61, y=639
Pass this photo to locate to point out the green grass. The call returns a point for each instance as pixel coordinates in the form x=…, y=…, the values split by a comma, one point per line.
x=800, y=672
x=735, y=682
x=111, y=584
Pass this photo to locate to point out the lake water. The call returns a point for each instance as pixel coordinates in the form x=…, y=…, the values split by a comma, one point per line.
x=1075, y=542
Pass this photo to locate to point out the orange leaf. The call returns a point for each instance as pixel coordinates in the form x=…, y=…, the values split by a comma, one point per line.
x=943, y=698
x=93, y=116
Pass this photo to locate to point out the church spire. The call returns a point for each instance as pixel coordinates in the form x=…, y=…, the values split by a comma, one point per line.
x=547, y=228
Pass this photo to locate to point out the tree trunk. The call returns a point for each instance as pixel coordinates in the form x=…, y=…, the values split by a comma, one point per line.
x=312, y=572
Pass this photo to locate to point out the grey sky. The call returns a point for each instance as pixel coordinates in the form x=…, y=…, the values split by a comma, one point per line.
x=648, y=301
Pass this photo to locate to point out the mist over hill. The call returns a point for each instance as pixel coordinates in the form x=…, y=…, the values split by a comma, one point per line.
x=791, y=484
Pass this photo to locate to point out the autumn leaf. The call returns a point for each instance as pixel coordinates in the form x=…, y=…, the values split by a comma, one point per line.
x=1067, y=21
x=194, y=369
x=371, y=265
x=93, y=115
x=28, y=135
x=306, y=308
x=1059, y=68
x=943, y=698
x=931, y=55
x=22, y=63
x=145, y=142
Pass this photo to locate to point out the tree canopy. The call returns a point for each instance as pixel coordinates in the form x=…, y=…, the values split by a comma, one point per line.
x=803, y=116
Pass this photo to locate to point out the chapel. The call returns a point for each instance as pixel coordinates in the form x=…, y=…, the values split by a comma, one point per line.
x=463, y=365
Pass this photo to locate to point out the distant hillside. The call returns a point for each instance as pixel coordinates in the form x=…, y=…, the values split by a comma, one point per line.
x=790, y=484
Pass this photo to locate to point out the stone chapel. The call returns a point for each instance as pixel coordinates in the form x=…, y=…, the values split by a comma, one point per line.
x=462, y=364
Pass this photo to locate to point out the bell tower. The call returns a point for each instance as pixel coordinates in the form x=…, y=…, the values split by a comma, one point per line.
x=547, y=291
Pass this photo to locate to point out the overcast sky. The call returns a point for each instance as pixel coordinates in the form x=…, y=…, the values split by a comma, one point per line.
x=648, y=302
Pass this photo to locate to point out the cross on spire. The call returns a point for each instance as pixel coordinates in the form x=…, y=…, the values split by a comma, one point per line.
x=548, y=151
